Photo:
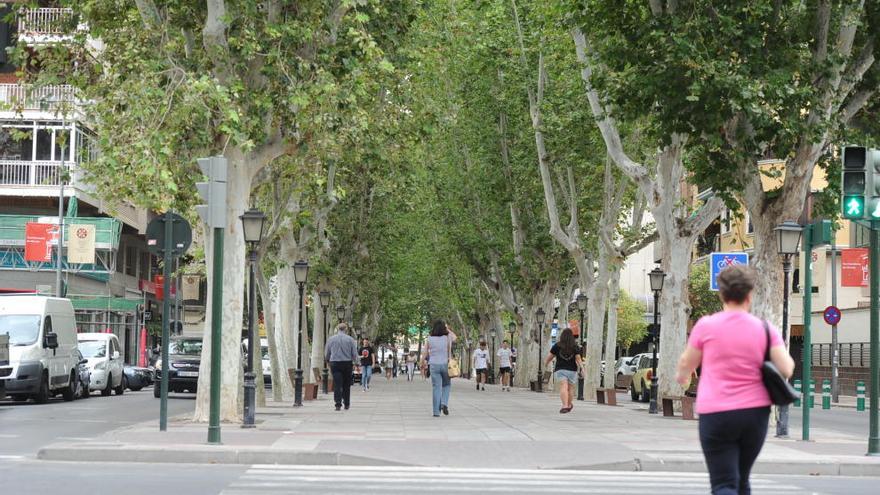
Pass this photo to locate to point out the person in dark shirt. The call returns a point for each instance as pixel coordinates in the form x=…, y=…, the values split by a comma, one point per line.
x=368, y=360
x=567, y=354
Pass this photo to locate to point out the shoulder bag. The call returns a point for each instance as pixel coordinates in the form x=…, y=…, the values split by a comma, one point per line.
x=454, y=369
x=781, y=392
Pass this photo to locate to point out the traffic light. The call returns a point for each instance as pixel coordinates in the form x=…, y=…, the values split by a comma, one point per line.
x=854, y=181
x=213, y=213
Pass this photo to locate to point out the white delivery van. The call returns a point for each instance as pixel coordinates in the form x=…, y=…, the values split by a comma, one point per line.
x=101, y=350
x=42, y=347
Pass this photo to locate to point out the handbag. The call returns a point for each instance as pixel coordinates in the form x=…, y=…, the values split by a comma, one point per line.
x=781, y=392
x=452, y=366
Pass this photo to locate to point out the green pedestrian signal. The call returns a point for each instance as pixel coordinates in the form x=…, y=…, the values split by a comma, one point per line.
x=874, y=209
x=853, y=207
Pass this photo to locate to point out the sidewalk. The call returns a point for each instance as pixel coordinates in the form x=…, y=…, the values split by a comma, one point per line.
x=392, y=425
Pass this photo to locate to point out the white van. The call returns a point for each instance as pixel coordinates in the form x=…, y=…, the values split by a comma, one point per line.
x=42, y=347
x=101, y=350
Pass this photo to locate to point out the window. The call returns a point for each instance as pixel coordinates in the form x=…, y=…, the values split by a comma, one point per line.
x=44, y=144
x=144, y=272
x=725, y=221
x=750, y=228
x=62, y=145
x=15, y=144
x=131, y=261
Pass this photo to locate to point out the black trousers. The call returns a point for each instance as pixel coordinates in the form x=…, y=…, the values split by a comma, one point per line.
x=342, y=375
x=731, y=442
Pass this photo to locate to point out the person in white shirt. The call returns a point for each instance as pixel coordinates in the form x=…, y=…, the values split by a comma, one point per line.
x=504, y=365
x=481, y=364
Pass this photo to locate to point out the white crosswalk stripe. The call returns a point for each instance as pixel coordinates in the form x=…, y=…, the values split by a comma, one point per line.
x=392, y=479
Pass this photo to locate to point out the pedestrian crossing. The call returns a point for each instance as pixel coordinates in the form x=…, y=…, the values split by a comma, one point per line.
x=264, y=479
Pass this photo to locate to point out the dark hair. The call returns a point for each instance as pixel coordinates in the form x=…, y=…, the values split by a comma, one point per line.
x=735, y=283
x=566, y=343
x=439, y=329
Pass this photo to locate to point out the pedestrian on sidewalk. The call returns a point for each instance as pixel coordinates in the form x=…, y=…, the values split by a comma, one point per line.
x=439, y=349
x=410, y=366
x=341, y=351
x=567, y=354
x=732, y=402
x=368, y=360
x=481, y=364
x=504, y=363
x=389, y=366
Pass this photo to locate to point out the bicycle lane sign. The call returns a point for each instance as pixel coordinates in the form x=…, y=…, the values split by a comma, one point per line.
x=720, y=261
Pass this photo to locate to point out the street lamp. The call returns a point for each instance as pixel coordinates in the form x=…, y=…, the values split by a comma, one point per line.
x=324, y=298
x=582, y=301
x=340, y=313
x=300, y=274
x=539, y=319
x=253, y=224
x=788, y=236
x=512, y=328
x=656, y=276
x=492, y=333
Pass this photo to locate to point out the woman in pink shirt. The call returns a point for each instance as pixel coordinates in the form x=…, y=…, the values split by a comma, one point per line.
x=733, y=403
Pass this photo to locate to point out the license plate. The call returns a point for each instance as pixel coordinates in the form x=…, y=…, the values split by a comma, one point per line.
x=187, y=373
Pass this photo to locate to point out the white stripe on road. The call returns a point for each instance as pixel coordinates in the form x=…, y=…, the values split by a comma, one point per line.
x=8, y=435
x=11, y=457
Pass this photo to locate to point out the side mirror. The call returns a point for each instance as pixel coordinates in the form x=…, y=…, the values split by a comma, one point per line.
x=51, y=340
x=115, y=354
x=633, y=369
x=84, y=361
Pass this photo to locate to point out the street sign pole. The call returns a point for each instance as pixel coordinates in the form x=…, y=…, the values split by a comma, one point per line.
x=216, y=332
x=808, y=299
x=874, y=426
x=166, y=316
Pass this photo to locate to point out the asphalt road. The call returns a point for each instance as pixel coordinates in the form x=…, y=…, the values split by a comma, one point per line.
x=841, y=420
x=25, y=427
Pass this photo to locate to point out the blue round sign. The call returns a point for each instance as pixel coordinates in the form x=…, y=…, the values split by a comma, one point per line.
x=832, y=315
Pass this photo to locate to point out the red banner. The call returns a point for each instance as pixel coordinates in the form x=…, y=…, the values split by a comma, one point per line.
x=854, y=267
x=36, y=241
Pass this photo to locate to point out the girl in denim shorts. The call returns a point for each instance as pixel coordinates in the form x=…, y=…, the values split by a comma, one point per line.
x=567, y=354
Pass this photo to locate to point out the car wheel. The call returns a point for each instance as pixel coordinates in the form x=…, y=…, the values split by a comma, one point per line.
x=42, y=395
x=156, y=390
x=633, y=393
x=646, y=393
x=123, y=384
x=108, y=389
x=20, y=398
x=85, y=390
x=135, y=389
x=69, y=392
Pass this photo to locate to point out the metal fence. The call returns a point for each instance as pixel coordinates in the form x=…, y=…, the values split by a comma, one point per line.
x=850, y=355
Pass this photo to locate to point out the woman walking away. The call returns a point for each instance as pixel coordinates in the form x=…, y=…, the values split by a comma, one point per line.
x=733, y=403
x=410, y=366
x=567, y=354
x=439, y=344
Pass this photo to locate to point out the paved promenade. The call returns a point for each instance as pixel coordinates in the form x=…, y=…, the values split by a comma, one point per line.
x=392, y=425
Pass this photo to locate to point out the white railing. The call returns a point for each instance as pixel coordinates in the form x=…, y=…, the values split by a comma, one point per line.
x=21, y=97
x=46, y=21
x=30, y=173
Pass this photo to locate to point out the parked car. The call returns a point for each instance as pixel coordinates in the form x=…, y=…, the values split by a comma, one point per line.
x=184, y=359
x=84, y=375
x=623, y=367
x=105, y=362
x=137, y=377
x=640, y=388
x=42, y=347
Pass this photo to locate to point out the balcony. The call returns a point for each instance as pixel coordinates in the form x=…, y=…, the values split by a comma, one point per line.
x=46, y=24
x=23, y=97
x=30, y=173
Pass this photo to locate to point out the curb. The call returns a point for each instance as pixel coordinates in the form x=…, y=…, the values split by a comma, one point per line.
x=202, y=454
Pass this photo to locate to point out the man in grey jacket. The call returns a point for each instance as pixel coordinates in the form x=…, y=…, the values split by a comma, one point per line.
x=340, y=352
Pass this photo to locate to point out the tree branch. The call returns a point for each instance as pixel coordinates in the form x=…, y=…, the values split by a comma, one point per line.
x=149, y=15
x=214, y=39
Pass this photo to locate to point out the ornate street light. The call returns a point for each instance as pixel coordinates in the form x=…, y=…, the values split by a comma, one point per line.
x=511, y=327
x=253, y=224
x=539, y=319
x=582, y=301
x=656, y=276
x=300, y=274
x=492, y=333
x=788, y=236
x=324, y=298
x=340, y=313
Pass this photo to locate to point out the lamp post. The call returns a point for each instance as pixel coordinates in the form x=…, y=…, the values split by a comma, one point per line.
x=582, y=301
x=492, y=333
x=539, y=319
x=300, y=274
x=512, y=329
x=788, y=236
x=324, y=297
x=340, y=313
x=656, y=276
x=253, y=224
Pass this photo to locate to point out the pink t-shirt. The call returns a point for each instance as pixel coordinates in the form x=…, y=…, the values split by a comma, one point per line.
x=733, y=345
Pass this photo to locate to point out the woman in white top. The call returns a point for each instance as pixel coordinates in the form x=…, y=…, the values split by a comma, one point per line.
x=439, y=343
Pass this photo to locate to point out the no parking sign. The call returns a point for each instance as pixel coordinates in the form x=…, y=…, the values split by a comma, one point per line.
x=719, y=261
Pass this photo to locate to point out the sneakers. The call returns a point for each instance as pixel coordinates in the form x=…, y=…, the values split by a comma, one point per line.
x=445, y=410
x=338, y=408
x=478, y=385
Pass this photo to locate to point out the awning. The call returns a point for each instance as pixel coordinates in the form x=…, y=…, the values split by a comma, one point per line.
x=103, y=303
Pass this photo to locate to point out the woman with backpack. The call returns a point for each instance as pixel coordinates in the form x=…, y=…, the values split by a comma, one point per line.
x=567, y=354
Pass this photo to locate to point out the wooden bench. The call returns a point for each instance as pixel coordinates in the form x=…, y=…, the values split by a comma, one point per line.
x=310, y=391
x=606, y=396
x=687, y=406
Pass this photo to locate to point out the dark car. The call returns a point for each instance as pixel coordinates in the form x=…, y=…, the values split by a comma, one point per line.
x=83, y=376
x=137, y=378
x=184, y=358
